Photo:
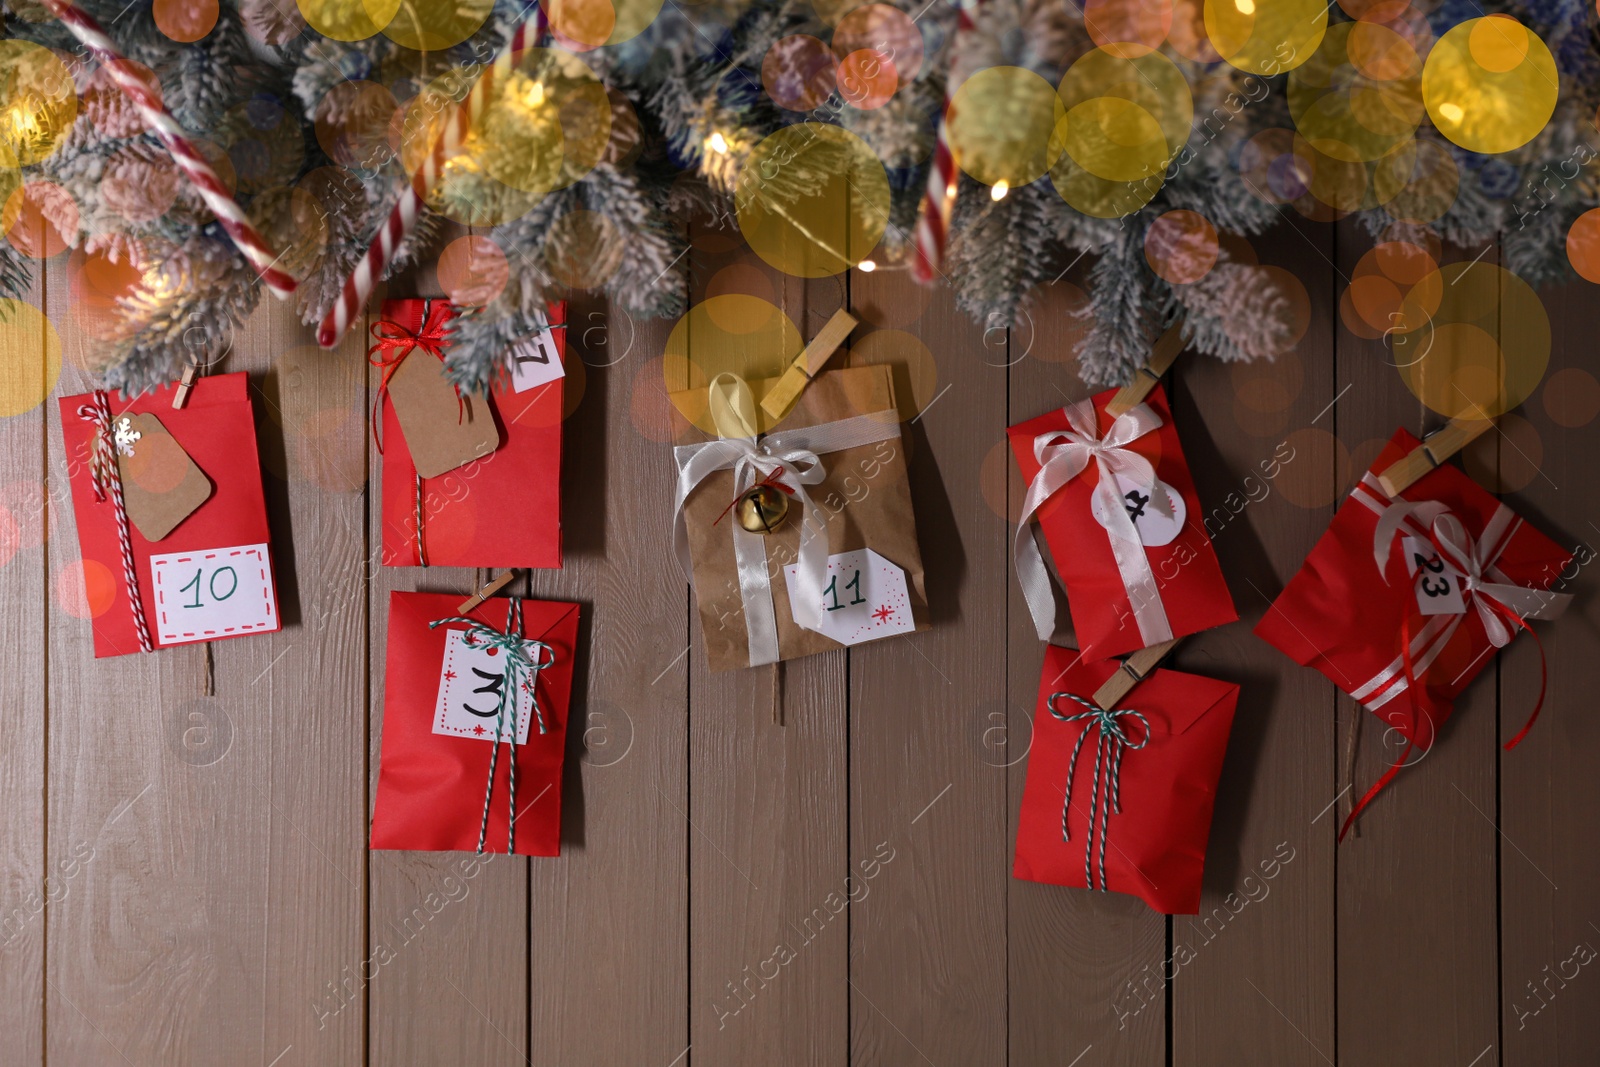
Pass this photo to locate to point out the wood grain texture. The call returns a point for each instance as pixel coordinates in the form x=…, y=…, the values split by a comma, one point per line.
x=1416, y=890
x=928, y=948
x=766, y=813
x=1085, y=970
x=608, y=921
x=1254, y=971
x=33, y=872
x=1549, y=794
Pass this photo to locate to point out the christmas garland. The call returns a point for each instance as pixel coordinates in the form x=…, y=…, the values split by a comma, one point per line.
x=315, y=116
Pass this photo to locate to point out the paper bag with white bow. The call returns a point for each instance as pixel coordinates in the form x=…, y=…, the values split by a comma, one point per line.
x=1118, y=509
x=842, y=566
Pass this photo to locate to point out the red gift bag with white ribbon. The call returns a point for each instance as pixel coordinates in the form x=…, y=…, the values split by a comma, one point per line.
x=1403, y=601
x=1118, y=509
x=498, y=511
x=209, y=576
x=1121, y=799
x=474, y=725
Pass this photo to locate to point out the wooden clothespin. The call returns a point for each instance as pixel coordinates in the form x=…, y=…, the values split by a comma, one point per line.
x=1145, y=379
x=1133, y=671
x=490, y=588
x=1435, y=448
x=181, y=397
x=781, y=397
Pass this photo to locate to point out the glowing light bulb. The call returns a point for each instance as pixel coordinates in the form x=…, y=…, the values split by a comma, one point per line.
x=867, y=266
x=1452, y=112
x=1001, y=188
x=950, y=191
x=1246, y=7
x=717, y=143
x=535, y=95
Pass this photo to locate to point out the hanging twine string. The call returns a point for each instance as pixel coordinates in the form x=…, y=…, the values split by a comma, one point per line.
x=521, y=673
x=107, y=479
x=1105, y=797
x=394, y=343
x=422, y=555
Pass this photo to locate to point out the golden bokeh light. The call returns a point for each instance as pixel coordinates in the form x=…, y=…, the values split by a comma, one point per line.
x=1490, y=85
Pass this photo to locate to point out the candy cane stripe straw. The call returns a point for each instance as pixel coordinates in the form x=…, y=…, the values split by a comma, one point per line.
x=403, y=217
x=177, y=143
x=933, y=218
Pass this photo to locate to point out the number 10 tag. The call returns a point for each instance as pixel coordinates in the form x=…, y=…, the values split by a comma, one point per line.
x=1438, y=588
x=213, y=593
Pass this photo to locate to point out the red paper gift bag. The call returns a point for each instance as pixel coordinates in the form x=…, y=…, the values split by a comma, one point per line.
x=503, y=510
x=1380, y=633
x=1132, y=552
x=439, y=751
x=211, y=577
x=1136, y=785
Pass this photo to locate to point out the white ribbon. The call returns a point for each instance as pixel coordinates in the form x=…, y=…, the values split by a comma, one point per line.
x=1062, y=456
x=1483, y=581
x=755, y=459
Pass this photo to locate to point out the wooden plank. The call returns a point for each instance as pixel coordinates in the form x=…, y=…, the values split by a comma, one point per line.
x=1254, y=971
x=933, y=985
x=1549, y=793
x=31, y=871
x=449, y=929
x=608, y=921
x=766, y=813
x=1085, y=968
x=1416, y=892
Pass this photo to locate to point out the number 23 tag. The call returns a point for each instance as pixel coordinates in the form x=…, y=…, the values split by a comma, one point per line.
x=1438, y=588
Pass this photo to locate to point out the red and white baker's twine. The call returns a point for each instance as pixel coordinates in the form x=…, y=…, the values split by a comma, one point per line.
x=177, y=143
x=933, y=217
x=105, y=475
x=403, y=217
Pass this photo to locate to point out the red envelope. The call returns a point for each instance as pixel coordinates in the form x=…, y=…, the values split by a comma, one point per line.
x=431, y=785
x=1341, y=616
x=498, y=512
x=1155, y=845
x=211, y=577
x=1187, y=576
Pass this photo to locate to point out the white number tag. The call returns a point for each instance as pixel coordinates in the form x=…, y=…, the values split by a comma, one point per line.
x=470, y=682
x=1157, y=516
x=1438, y=585
x=214, y=593
x=535, y=360
x=863, y=598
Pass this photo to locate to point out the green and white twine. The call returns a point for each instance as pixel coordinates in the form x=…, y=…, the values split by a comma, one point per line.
x=520, y=670
x=1106, y=794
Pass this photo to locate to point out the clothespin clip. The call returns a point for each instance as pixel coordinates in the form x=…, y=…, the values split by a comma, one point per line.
x=1436, y=447
x=490, y=588
x=181, y=397
x=781, y=397
x=1134, y=669
x=1145, y=378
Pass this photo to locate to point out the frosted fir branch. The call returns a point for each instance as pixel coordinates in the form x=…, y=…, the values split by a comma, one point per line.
x=1002, y=249
x=1235, y=312
x=16, y=273
x=1121, y=313
x=650, y=277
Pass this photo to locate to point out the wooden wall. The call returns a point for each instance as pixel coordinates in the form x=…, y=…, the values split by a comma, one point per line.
x=183, y=871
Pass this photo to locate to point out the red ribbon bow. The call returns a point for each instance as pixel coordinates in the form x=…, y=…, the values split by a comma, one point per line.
x=395, y=343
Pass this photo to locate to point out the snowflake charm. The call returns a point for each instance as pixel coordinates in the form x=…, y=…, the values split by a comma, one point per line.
x=125, y=435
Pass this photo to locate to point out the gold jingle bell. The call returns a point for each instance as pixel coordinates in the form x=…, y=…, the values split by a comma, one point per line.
x=762, y=509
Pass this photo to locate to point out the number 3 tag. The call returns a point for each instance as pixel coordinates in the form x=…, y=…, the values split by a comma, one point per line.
x=1158, y=524
x=1438, y=588
x=213, y=593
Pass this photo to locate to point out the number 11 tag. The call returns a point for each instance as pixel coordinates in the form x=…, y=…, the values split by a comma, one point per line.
x=864, y=598
x=1438, y=586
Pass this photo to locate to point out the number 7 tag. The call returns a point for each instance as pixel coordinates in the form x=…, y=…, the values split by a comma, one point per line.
x=1438, y=585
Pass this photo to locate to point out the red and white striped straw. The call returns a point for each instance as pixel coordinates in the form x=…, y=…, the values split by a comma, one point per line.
x=403, y=217
x=933, y=217
x=177, y=143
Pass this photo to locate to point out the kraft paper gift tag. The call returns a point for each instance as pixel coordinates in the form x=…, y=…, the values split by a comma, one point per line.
x=161, y=485
x=443, y=431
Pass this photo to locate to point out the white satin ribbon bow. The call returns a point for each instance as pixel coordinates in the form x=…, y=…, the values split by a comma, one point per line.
x=1062, y=456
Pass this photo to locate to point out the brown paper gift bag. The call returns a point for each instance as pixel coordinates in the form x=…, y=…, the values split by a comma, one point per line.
x=862, y=501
